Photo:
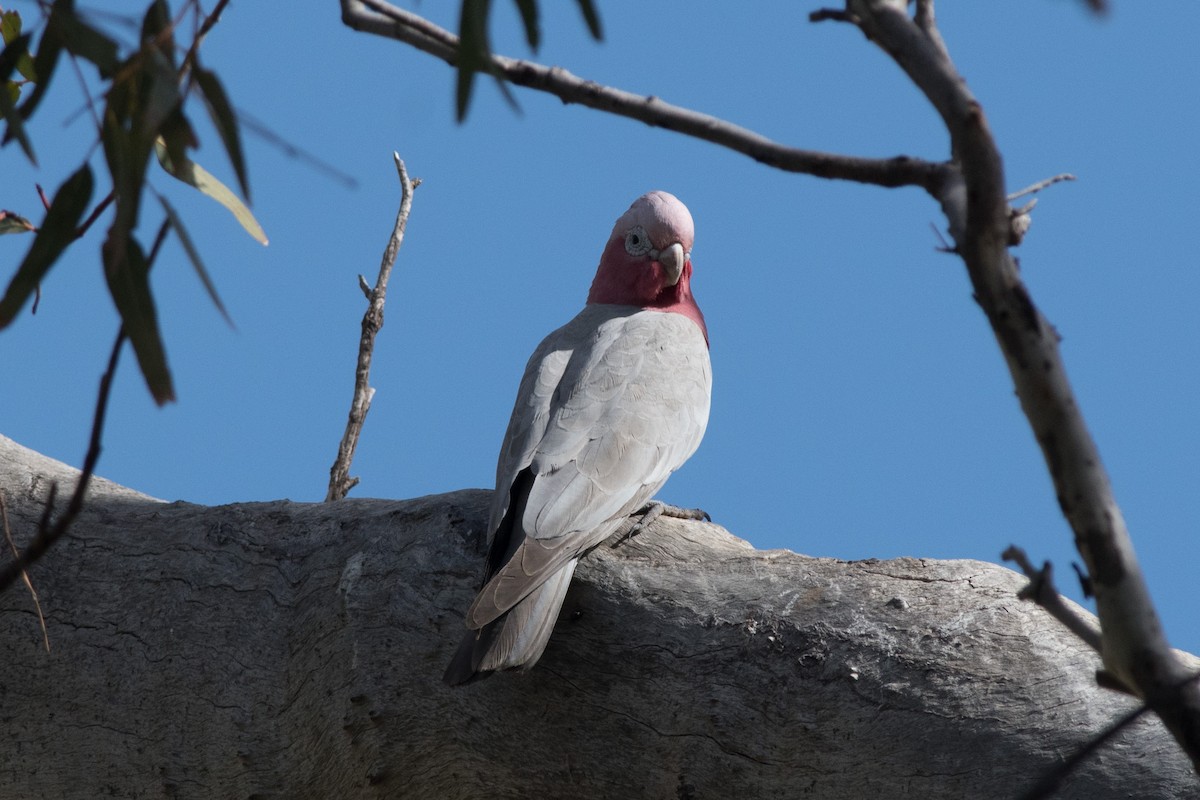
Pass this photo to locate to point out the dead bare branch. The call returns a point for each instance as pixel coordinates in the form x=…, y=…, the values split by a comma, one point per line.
x=383, y=19
x=1037, y=187
x=1134, y=647
x=340, y=482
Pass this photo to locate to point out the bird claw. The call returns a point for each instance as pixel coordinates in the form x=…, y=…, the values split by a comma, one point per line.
x=653, y=510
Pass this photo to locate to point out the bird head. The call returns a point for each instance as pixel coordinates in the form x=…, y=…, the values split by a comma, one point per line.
x=647, y=260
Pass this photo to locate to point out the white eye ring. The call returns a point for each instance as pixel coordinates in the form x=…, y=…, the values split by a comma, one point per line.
x=637, y=243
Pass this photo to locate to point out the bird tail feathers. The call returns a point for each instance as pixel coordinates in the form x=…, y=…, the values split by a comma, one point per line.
x=516, y=639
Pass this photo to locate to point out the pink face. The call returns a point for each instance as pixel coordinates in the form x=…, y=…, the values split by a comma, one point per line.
x=647, y=261
x=647, y=252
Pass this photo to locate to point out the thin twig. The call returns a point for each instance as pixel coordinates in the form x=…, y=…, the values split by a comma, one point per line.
x=212, y=19
x=1042, y=591
x=259, y=128
x=37, y=606
x=383, y=19
x=96, y=212
x=340, y=482
x=1037, y=187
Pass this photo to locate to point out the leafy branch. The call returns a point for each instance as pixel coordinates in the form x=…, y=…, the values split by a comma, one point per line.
x=143, y=115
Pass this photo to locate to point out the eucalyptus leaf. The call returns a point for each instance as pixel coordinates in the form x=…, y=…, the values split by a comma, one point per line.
x=193, y=255
x=10, y=28
x=10, y=25
x=56, y=233
x=13, y=52
x=194, y=175
x=14, y=223
x=529, y=18
x=87, y=42
x=473, y=51
x=592, y=18
x=225, y=121
x=49, y=49
x=128, y=274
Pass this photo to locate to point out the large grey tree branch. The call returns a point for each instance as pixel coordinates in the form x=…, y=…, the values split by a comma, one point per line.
x=295, y=650
x=971, y=190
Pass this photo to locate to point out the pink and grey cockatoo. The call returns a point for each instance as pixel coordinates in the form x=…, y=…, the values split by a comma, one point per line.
x=610, y=405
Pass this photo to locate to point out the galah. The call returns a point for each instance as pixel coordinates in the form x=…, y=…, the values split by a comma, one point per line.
x=610, y=405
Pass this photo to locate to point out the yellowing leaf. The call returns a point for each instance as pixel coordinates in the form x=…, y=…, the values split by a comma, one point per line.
x=195, y=175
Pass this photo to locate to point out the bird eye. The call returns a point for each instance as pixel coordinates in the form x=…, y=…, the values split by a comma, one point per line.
x=637, y=243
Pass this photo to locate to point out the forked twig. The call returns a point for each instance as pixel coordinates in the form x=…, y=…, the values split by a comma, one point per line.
x=1042, y=591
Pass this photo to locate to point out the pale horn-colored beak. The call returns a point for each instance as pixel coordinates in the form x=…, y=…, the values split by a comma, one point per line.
x=673, y=258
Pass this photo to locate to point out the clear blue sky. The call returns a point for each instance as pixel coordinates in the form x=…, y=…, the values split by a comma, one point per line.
x=860, y=408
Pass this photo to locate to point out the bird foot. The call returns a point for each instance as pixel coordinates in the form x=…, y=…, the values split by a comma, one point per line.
x=652, y=511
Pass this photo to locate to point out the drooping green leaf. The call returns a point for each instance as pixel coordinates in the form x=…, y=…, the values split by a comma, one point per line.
x=592, y=18
x=159, y=96
x=49, y=49
x=11, y=222
x=117, y=149
x=85, y=41
x=193, y=255
x=127, y=159
x=529, y=18
x=56, y=233
x=127, y=271
x=13, y=52
x=473, y=51
x=157, y=28
x=194, y=175
x=225, y=121
x=177, y=134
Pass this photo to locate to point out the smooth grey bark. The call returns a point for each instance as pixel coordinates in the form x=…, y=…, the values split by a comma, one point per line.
x=295, y=650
